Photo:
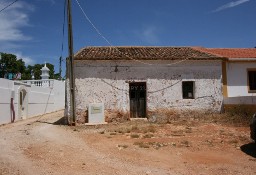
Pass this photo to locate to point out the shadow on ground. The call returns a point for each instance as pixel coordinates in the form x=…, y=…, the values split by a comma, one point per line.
x=249, y=149
x=61, y=121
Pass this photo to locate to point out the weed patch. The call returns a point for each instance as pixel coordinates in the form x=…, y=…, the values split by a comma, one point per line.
x=122, y=146
x=148, y=136
x=141, y=144
x=135, y=136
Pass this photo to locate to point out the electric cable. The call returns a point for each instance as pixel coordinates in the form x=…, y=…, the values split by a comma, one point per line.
x=110, y=44
x=8, y=6
x=63, y=28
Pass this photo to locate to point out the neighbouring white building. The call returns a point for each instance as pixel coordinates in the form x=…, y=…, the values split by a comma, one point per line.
x=25, y=99
x=138, y=81
x=239, y=76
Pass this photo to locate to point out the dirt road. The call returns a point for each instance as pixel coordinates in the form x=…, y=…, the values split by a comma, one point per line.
x=39, y=146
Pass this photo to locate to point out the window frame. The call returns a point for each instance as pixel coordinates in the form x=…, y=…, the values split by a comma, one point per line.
x=248, y=80
x=193, y=89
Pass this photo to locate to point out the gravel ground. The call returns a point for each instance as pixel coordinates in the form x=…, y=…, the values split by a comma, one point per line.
x=39, y=146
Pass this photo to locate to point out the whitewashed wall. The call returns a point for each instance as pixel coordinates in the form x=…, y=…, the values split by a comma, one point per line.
x=108, y=82
x=40, y=100
x=59, y=94
x=6, y=88
x=237, y=83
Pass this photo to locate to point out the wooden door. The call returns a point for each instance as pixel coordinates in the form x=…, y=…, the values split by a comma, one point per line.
x=137, y=100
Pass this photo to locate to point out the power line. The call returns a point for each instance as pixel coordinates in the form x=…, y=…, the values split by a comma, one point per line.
x=88, y=19
x=63, y=27
x=8, y=6
x=63, y=34
x=109, y=43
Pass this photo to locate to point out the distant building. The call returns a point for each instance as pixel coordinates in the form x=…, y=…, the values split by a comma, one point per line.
x=239, y=76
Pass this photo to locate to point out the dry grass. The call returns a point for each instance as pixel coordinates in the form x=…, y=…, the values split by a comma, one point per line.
x=155, y=145
x=180, y=130
x=102, y=132
x=141, y=144
x=148, y=136
x=185, y=143
x=236, y=116
x=135, y=136
x=114, y=116
x=122, y=146
x=112, y=133
x=132, y=127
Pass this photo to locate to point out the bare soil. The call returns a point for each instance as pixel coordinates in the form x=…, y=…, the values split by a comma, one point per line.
x=41, y=146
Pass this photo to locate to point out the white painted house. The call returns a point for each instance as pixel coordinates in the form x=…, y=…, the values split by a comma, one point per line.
x=239, y=75
x=29, y=98
x=138, y=81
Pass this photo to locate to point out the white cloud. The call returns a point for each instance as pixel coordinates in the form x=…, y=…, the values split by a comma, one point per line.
x=149, y=34
x=27, y=60
x=230, y=5
x=12, y=20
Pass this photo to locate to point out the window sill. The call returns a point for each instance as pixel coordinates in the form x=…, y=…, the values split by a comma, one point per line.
x=252, y=91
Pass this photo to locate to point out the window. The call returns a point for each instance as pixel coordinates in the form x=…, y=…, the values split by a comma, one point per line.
x=252, y=80
x=188, y=89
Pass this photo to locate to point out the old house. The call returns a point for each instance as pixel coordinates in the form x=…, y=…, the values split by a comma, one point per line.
x=239, y=76
x=138, y=81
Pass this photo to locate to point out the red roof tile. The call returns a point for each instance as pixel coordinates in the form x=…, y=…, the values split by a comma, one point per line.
x=143, y=53
x=230, y=52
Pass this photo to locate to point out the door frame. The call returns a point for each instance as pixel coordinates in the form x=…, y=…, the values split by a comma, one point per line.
x=144, y=83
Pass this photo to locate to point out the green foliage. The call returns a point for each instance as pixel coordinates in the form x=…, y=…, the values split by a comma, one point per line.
x=27, y=75
x=37, y=70
x=57, y=76
x=14, y=65
x=11, y=64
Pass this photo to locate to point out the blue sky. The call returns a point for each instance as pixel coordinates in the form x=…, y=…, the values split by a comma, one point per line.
x=32, y=29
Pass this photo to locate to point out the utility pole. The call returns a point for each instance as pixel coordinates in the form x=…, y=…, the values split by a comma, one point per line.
x=71, y=66
x=60, y=70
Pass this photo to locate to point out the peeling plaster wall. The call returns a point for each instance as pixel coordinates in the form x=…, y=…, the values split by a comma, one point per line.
x=108, y=82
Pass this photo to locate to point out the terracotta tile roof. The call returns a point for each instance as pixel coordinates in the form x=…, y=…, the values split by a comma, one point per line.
x=143, y=53
x=230, y=52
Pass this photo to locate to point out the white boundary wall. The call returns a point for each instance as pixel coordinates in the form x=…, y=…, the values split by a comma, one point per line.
x=38, y=100
x=6, y=88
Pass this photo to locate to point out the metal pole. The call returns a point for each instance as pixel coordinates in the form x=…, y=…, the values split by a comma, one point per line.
x=60, y=69
x=71, y=61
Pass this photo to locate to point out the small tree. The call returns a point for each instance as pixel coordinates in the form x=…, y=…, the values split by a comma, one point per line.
x=10, y=64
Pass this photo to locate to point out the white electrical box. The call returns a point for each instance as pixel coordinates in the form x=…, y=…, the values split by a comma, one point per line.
x=96, y=113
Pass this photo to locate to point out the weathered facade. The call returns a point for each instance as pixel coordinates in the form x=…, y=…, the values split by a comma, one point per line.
x=136, y=81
